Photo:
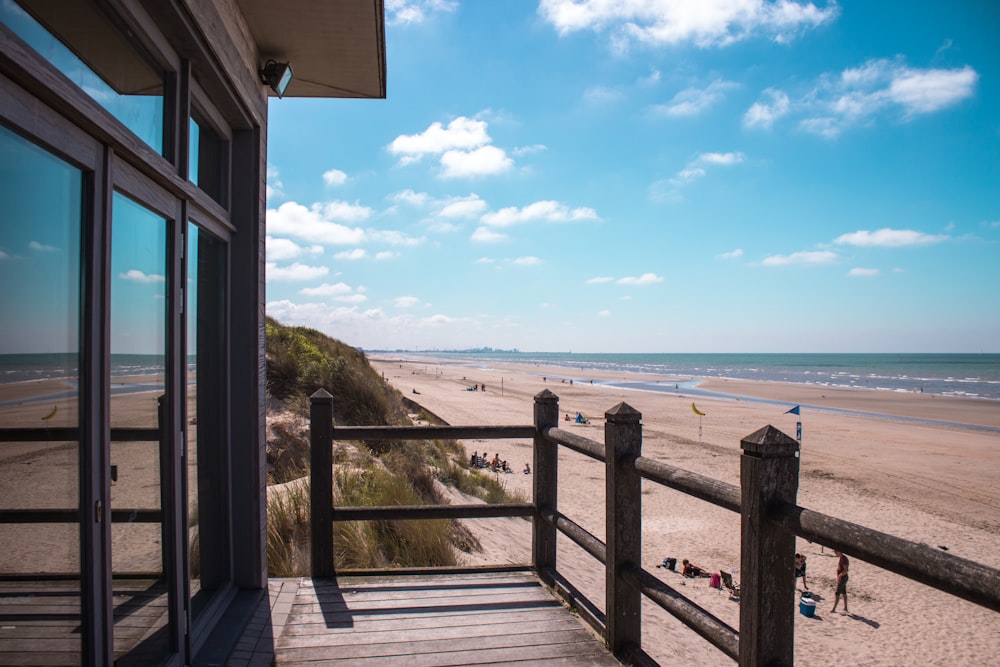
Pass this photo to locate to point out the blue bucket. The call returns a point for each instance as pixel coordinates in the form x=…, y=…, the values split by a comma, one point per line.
x=807, y=607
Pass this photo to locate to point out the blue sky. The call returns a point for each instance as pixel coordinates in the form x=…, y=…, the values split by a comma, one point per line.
x=651, y=176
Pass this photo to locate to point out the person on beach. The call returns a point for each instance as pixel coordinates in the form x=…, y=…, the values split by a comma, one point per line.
x=800, y=569
x=842, y=565
x=692, y=570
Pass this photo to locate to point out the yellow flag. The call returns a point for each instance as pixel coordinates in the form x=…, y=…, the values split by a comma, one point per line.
x=696, y=410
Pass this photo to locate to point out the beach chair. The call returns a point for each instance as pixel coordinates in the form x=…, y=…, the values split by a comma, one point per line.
x=730, y=585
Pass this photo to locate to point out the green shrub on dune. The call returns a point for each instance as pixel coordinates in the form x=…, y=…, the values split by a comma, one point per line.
x=300, y=361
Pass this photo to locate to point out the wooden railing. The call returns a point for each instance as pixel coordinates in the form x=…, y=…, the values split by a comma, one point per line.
x=766, y=500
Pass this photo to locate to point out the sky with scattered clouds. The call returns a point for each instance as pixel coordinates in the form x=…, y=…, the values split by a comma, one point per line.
x=651, y=176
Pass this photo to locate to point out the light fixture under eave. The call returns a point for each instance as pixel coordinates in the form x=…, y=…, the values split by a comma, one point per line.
x=277, y=76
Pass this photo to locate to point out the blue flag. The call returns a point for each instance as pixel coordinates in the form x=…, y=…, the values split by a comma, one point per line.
x=794, y=411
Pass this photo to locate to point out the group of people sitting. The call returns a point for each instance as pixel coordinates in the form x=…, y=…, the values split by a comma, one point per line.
x=580, y=419
x=476, y=387
x=496, y=464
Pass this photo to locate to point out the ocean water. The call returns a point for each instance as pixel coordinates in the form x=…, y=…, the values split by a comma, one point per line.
x=24, y=367
x=964, y=375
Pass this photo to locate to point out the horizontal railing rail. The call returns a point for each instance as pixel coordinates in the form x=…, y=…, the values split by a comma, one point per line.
x=415, y=512
x=431, y=432
x=71, y=433
x=765, y=500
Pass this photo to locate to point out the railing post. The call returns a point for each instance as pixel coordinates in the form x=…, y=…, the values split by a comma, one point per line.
x=545, y=484
x=622, y=445
x=321, y=482
x=769, y=472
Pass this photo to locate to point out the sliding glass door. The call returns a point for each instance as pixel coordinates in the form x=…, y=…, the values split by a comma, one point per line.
x=40, y=444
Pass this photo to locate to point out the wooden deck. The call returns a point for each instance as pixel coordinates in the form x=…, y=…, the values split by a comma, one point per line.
x=498, y=618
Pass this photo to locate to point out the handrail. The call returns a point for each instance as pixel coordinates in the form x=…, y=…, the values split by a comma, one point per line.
x=70, y=433
x=952, y=574
x=577, y=443
x=714, y=630
x=765, y=501
x=414, y=512
x=691, y=483
x=431, y=432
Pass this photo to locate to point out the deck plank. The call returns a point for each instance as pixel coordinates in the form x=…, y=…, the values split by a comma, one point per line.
x=433, y=620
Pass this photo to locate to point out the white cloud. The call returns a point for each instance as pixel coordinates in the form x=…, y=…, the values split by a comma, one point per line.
x=546, y=210
x=274, y=186
x=487, y=235
x=805, y=257
x=334, y=177
x=464, y=147
x=385, y=255
x=483, y=161
x=859, y=272
x=137, y=276
x=279, y=249
x=604, y=313
x=328, y=289
x=732, y=254
x=405, y=301
x=351, y=255
x=929, y=90
x=485, y=260
x=526, y=261
x=41, y=247
x=316, y=223
x=528, y=150
x=462, y=207
x=393, y=237
x=599, y=280
x=403, y=12
x=410, y=197
x=644, y=279
x=694, y=101
x=461, y=134
x=602, y=95
x=859, y=94
x=704, y=23
x=696, y=168
x=774, y=104
x=889, y=238
x=297, y=272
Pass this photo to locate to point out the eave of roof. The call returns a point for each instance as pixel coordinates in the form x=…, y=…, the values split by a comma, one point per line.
x=335, y=48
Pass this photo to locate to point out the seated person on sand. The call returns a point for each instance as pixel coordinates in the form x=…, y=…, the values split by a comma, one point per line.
x=474, y=459
x=580, y=419
x=527, y=468
x=692, y=570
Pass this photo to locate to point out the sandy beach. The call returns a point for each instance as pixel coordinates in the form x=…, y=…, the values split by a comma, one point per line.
x=922, y=467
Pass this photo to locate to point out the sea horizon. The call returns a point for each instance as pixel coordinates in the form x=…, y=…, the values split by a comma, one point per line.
x=964, y=375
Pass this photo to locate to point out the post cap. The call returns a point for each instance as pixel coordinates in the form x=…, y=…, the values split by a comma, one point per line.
x=546, y=396
x=769, y=443
x=320, y=395
x=623, y=413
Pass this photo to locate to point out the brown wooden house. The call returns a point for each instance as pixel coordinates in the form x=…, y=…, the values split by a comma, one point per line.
x=133, y=160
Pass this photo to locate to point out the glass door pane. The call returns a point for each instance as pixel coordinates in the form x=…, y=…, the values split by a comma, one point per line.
x=138, y=382
x=206, y=451
x=40, y=230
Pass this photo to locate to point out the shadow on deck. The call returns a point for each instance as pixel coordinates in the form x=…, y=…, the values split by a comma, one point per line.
x=494, y=618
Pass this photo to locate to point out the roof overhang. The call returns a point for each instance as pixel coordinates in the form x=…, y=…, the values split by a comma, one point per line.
x=336, y=48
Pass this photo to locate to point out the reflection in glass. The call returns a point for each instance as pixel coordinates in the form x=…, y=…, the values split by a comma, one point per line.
x=115, y=74
x=40, y=228
x=205, y=446
x=138, y=275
